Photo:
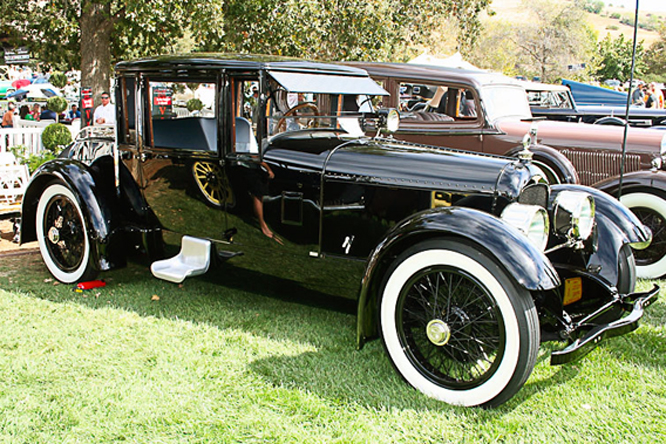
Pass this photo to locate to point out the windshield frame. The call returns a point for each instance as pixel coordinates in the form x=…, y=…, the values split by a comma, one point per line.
x=505, y=101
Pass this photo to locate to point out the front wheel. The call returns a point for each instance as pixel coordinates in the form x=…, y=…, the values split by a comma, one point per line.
x=62, y=235
x=651, y=211
x=456, y=326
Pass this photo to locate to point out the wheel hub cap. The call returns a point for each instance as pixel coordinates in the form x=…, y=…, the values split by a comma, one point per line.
x=54, y=235
x=438, y=332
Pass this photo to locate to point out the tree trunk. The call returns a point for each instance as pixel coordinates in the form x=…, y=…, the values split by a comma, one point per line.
x=96, y=27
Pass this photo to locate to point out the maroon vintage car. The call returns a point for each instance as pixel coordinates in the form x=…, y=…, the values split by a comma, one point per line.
x=489, y=112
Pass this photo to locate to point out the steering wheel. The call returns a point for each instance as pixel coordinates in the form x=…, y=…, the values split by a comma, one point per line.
x=281, y=125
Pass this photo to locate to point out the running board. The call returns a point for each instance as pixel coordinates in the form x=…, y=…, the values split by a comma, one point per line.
x=193, y=260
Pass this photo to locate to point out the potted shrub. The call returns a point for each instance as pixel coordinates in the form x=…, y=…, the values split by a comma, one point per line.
x=58, y=79
x=194, y=105
x=57, y=104
x=55, y=137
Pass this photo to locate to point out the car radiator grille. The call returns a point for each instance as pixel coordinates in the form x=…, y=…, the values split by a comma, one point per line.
x=593, y=167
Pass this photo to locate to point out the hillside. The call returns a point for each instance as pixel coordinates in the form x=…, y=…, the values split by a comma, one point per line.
x=511, y=10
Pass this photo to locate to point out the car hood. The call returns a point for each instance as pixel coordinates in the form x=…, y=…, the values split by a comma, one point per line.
x=583, y=135
x=392, y=163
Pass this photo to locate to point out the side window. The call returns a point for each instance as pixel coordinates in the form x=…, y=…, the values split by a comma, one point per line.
x=128, y=103
x=436, y=103
x=245, y=100
x=183, y=115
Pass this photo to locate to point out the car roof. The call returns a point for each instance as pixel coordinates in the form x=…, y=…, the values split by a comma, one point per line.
x=432, y=72
x=235, y=61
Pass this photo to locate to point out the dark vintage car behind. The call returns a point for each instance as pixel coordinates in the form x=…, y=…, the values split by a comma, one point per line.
x=556, y=102
x=489, y=113
x=462, y=263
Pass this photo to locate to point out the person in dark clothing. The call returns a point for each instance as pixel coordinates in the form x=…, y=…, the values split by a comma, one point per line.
x=47, y=114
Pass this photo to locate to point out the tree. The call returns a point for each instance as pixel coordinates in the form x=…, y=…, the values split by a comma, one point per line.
x=655, y=58
x=96, y=33
x=344, y=29
x=554, y=36
x=496, y=49
x=614, y=59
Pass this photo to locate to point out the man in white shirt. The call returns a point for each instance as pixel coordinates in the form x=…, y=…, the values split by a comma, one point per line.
x=105, y=114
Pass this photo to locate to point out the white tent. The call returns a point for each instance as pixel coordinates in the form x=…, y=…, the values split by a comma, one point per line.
x=454, y=61
x=35, y=91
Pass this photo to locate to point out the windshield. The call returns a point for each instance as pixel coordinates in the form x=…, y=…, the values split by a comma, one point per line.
x=505, y=101
x=301, y=101
x=549, y=99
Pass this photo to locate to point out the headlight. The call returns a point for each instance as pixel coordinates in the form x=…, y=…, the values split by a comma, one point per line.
x=532, y=220
x=573, y=214
x=393, y=121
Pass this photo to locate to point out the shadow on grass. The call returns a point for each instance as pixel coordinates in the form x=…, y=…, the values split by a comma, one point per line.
x=231, y=297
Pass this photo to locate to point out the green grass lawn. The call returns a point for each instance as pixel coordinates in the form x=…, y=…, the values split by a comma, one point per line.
x=221, y=360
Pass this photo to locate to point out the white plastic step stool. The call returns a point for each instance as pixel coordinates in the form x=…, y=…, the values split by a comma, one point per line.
x=193, y=260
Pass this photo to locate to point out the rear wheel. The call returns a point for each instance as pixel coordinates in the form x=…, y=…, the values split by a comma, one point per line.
x=456, y=326
x=63, y=236
x=651, y=211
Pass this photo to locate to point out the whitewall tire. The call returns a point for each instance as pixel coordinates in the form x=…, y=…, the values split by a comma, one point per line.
x=455, y=325
x=62, y=235
x=651, y=211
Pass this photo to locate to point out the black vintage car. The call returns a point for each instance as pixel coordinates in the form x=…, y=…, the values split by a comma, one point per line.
x=462, y=263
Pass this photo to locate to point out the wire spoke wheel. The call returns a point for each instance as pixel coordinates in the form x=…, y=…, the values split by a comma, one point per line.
x=211, y=182
x=445, y=299
x=656, y=223
x=650, y=209
x=456, y=326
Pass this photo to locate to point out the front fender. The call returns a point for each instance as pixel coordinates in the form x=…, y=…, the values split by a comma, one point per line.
x=626, y=221
x=635, y=180
x=529, y=267
x=552, y=159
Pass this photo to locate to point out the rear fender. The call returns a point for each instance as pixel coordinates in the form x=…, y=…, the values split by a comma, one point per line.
x=530, y=268
x=108, y=214
x=90, y=196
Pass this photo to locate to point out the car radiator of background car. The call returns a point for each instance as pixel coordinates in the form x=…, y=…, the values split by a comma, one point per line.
x=593, y=167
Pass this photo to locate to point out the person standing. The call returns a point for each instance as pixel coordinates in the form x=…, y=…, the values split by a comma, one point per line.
x=8, y=117
x=36, y=111
x=105, y=114
x=638, y=97
x=659, y=103
x=652, y=100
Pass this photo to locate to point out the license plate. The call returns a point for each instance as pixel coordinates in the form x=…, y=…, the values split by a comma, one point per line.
x=573, y=290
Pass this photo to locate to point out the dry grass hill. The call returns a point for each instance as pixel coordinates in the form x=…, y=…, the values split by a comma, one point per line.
x=511, y=10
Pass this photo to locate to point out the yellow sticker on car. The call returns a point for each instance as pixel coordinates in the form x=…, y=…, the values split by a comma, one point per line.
x=573, y=290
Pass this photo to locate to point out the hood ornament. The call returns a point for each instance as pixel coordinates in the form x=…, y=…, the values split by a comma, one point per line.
x=529, y=140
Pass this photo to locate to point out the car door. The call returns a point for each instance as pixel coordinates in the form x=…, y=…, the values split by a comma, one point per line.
x=182, y=177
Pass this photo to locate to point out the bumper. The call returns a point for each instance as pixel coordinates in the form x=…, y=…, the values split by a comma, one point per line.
x=636, y=302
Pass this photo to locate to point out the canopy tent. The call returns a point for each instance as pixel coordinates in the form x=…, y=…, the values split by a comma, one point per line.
x=454, y=61
x=40, y=91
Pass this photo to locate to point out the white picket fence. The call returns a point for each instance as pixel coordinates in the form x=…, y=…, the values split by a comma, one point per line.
x=31, y=138
x=29, y=134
